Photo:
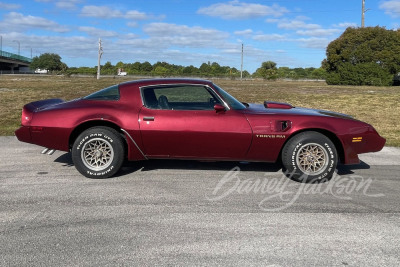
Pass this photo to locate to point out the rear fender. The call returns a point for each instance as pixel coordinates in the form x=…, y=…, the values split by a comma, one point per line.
x=134, y=151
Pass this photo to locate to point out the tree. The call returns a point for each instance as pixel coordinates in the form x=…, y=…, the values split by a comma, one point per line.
x=268, y=65
x=190, y=70
x=146, y=67
x=267, y=71
x=361, y=74
x=160, y=71
x=48, y=61
x=205, y=69
x=120, y=65
x=363, y=56
x=319, y=74
x=108, y=69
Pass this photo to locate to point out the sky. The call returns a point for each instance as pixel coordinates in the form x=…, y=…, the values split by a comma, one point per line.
x=292, y=33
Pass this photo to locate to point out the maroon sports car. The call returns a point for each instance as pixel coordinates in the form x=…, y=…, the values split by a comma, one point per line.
x=193, y=119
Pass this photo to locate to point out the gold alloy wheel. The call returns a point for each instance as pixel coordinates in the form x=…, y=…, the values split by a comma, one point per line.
x=97, y=154
x=312, y=159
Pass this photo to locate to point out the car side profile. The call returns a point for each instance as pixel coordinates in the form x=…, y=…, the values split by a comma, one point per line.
x=193, y=119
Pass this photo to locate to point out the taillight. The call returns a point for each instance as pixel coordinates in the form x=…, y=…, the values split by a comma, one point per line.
x=26, y=117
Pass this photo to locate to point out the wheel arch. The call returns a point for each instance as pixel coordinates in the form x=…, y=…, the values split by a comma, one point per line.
x=332, y=136
x=94, y=123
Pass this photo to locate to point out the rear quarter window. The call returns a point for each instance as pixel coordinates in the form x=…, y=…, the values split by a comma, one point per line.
x=109, y=93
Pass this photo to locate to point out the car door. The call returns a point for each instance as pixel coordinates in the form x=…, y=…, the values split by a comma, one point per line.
x=179, y=121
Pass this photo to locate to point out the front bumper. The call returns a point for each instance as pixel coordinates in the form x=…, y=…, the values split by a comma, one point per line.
x=366, y=142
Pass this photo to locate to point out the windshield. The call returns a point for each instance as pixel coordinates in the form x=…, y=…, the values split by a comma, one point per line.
x=110, y=93
x=232, y=102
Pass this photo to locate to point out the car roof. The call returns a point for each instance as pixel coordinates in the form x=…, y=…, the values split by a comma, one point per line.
x=161, y=81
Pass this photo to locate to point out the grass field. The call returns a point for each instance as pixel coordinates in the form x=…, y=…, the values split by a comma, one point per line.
x=378, y=106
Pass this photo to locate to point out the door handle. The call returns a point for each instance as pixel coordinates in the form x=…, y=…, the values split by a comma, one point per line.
x=148, y=118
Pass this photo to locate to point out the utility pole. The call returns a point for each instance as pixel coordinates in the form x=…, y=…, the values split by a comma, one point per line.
x=362, y=13
x=241, y=66
x=363, y=10
x=98, y=64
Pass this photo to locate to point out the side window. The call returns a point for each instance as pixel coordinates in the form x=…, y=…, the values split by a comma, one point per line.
x=179, y=97
x=109, y=93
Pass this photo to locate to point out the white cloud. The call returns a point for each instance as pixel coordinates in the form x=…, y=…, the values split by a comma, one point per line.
x=296, y=24
x=8, y=6
x=272, y=20
x=65, y=46
x=182, y=35
x=239, y=10
x=105, y=12
x=14, y=21
x=132, y=24
x=135, y=15
x=92, y=31
x=345, y=25
x=162, y=37
x=67, y=4
x=269, y=37
x=318, y=32
x=303, y=28
x=246, y=32
x=391, y=7
x=313, y=42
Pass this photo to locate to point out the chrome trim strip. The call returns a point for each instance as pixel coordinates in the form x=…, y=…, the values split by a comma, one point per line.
x=219, y=97
x=130, y=137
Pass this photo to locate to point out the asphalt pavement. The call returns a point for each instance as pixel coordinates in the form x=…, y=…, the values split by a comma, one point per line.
x=187, y=213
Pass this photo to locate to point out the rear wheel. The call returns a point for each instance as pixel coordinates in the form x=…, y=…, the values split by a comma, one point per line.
x=98, y=152
x=309, y=156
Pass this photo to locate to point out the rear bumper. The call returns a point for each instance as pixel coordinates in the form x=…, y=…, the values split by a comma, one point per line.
x=52, y=138
x=24, y=134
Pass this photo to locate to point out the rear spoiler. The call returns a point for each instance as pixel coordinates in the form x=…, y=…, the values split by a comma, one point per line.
x=42, y=104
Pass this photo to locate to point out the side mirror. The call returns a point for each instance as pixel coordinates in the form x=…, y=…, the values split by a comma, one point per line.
x=219, y=108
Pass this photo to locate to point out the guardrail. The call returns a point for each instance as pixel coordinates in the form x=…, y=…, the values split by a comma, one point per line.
x=14, y=56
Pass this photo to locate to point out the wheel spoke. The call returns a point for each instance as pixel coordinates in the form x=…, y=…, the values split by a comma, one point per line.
x=312, y=159
x=97, y=154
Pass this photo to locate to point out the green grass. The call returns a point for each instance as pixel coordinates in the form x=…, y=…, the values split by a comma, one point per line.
x=378, y=106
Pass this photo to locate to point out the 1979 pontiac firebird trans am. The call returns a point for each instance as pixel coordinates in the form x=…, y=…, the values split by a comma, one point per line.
x=193, y=119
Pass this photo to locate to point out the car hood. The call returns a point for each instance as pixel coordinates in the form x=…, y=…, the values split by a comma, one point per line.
x=287, y=109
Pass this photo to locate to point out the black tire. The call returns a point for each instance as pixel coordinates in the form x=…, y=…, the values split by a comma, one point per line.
x=309, y=157
x=98, y=152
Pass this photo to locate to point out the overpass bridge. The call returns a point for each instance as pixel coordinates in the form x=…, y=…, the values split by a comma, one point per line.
x=12, y=63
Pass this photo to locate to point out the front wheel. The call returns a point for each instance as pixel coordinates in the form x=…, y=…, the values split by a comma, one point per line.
x=309, y=156
x=98, y=152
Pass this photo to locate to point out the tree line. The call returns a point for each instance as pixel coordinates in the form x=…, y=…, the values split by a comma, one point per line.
x=360, y=56
x=268, y=70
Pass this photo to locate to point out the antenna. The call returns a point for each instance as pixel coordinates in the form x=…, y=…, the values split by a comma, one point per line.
x=98, y=64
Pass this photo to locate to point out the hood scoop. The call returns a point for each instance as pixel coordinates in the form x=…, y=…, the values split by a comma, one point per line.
x=277, y=105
